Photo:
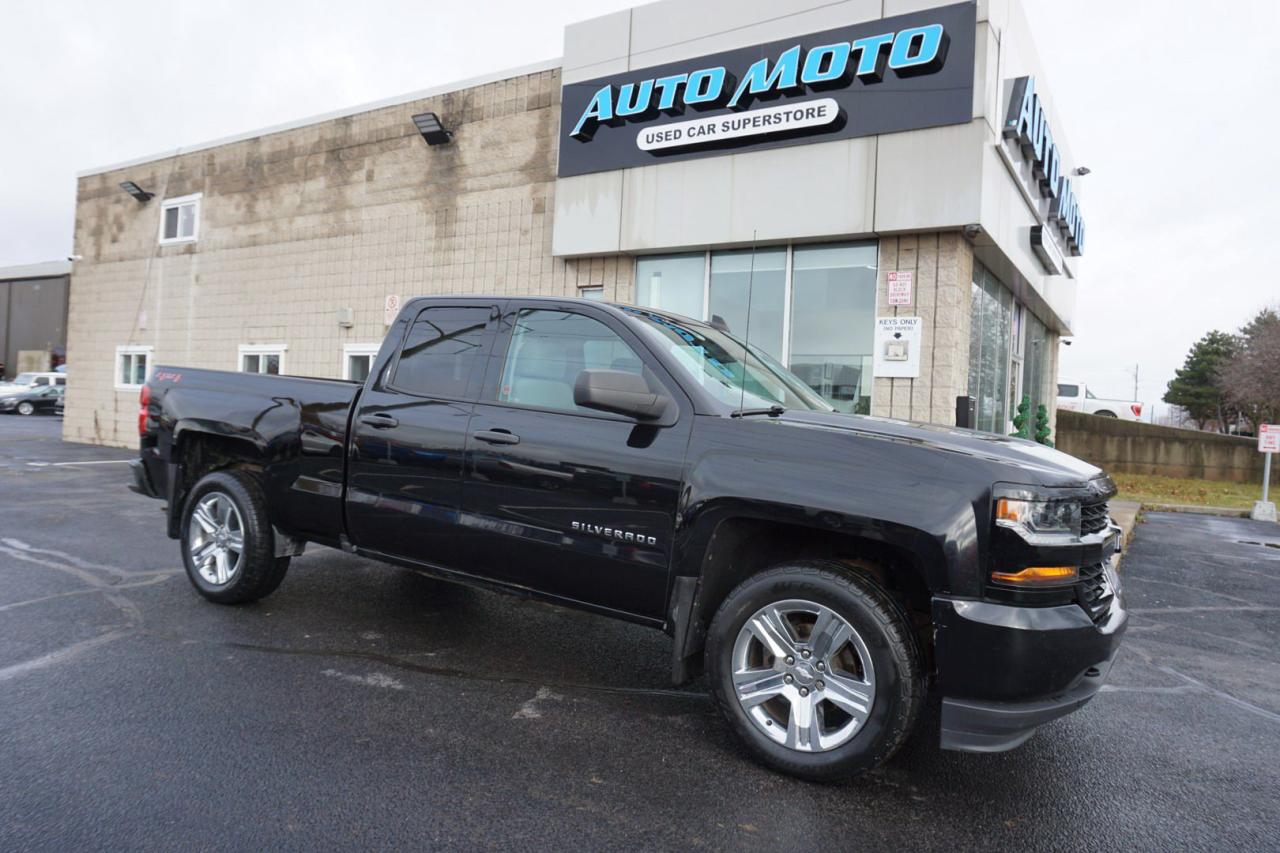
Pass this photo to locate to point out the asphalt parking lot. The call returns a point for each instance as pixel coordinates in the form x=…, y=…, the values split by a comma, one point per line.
x=364, y=706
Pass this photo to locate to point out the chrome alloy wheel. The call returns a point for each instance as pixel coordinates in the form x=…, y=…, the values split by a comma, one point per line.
x=803, y=675
x=215, y=538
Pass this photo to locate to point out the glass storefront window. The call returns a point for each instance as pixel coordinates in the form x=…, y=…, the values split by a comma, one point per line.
x=672, y=283
x=1035, y=366
x=763, y=273
x=819, y=322
x=833, y=309
x=990, y=335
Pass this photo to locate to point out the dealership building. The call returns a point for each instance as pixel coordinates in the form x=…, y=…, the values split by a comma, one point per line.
x=879, y=193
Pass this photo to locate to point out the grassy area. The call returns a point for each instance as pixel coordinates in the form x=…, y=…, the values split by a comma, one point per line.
x=1177, y=490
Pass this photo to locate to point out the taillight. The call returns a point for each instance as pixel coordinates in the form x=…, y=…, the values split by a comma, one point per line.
x=1136, y=408
x=144, y=400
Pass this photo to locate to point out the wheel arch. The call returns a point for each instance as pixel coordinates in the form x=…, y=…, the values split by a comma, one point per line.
x=198, y=451
x=734, y=543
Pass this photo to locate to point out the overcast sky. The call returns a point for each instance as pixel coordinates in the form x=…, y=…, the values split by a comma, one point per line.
x=1172, y=104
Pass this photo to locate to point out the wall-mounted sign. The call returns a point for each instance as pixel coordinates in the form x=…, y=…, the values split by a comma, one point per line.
x=900, y=282
x=1026, y=126
x=897, y=347
x=883, y=76
x=390, y=309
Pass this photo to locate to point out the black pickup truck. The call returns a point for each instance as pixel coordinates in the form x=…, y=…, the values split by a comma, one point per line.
x=826, y=570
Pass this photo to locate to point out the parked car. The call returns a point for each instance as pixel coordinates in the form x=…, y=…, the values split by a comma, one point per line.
x=1076, y=397
x=46, y=399
x=35, y=380
x=824, y=568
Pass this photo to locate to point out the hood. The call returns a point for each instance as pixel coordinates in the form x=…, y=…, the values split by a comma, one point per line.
x=1026, y=462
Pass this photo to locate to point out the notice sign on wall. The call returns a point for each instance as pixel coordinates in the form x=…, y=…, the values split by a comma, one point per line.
x=390, y=308
x=897, y=347
x=900, y=287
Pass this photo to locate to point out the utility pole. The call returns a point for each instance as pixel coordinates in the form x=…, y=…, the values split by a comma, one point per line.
x=1135, y=382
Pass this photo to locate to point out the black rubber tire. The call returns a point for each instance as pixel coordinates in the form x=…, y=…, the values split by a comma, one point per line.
x=1105, y=414
x=262, y=572
x=886, y=630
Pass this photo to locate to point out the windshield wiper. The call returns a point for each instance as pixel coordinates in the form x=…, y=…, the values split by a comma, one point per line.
x=771, y=411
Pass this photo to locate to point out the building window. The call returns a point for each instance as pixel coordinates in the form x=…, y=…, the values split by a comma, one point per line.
x=675, y=283
x=763, y=275
x=595, y=294
x=1035, y=370
x=357, y=360
x=833, y=318
x=180, y=219
x=133, y=367
x=812, y=307
x=990, y=350
x=265, y=358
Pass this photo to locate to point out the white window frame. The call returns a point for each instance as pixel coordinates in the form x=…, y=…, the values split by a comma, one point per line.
x=349, y=350
x=193, y=199
x=260, y=349
x=130, y=350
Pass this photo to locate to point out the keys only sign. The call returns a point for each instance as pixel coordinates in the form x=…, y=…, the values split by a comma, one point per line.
x=897, y=347
x=884, y=76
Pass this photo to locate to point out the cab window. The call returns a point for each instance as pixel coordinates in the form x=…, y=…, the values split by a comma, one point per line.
x=442, y=351
x=550, y=348
x=1068, y=390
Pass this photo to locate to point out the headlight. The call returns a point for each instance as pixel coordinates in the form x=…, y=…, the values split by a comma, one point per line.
x=1040, y=522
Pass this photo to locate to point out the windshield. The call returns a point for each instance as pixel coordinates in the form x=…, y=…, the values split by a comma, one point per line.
x=24, y=379
x=718, y=363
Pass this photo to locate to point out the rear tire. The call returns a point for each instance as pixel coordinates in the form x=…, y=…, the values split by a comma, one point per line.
x=228, y=544
x=844, y=679
x=1105, y=414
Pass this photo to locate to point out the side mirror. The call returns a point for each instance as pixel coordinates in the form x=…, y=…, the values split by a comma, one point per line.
x=619, y=392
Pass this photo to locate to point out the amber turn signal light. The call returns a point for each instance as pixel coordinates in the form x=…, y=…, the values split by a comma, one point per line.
x=1038, y=575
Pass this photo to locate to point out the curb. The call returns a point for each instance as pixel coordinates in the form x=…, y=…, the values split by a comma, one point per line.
x=1223, y=511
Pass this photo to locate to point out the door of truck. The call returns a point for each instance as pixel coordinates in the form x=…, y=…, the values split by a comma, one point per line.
x=575, y=502
x=404, y=472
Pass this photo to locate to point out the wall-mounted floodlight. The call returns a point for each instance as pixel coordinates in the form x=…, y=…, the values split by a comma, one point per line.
x=432, y=130
x=136, y=191
x=1083, y=170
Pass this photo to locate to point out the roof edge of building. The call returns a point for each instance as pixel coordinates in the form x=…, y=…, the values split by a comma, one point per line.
x=395, y=100
x=46, y=269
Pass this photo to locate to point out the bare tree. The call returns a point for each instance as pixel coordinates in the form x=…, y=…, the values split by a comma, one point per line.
x=1252, y=378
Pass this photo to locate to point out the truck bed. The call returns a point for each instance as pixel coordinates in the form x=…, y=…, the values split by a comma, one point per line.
x=297, y=427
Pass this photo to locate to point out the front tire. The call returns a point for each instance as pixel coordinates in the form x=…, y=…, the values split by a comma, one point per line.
x=228, y=544
x=26, y=409
x=816, y=668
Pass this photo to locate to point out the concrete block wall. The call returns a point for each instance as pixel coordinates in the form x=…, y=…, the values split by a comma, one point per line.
x=1128, y=447
x=297, y=224
x=942, y=267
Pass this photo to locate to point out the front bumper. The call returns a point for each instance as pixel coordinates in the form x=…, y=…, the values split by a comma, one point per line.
x=1005, y=669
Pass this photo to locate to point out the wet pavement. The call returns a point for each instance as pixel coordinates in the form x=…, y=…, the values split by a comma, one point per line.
x=364, y=706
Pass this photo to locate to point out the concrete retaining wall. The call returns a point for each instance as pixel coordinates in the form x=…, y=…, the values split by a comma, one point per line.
x=1125, y=447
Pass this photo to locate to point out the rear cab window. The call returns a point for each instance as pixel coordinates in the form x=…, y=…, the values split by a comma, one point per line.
x=443, y=352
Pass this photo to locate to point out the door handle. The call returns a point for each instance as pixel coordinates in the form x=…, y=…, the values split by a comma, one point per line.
x=379, y=420
x=496, y=436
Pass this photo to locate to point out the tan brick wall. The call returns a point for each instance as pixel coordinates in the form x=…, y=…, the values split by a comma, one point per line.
x=942, y=265
x=298, y=224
